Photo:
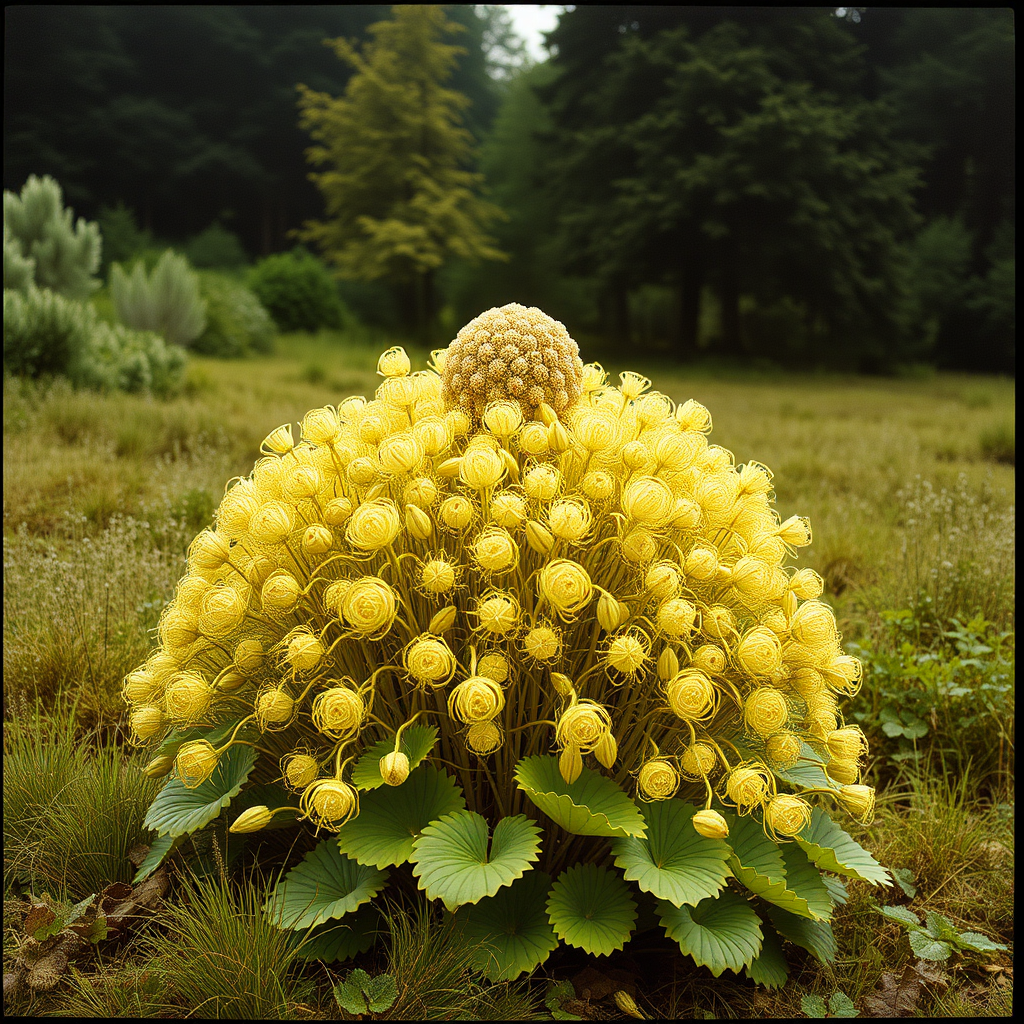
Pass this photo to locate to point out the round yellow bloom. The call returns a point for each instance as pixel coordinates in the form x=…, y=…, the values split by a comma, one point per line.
x=639, y=546
x=298, y=770
x=249, y=655
x=196, y=761
x=583, y=726
x=858, y=800
x=676, y=617
x=711, y=825
x=796, y=531
x=698, y=760
x=807, y=584
x=400, y=453
x=628, y=653
x=236, y=510
x=146, y=722
x=274, y=709
x=187, y=698
x=658, y=780
x=373, y=525
x=542, y=643
x=692, y=415
x=429, y=660
x=369, y=606
x=498, y=613
x=508, y=509
x=783, y=749
x=787, y=816
x=481, y=467
x=691, y=695
x=321, y=426
x=437, y=576
x=598, y=485
x=494, y=666
x=456, y=512
x=394, y=768
x=280, y=593
x=362, y=471
x=848, y=743
x=845, y=772
x=569, y=520
x=271, y=523
x=495, y=551
x=337, y=511
x=301, y=482
x=719, y=622
x=421, y=492
x=814, y=625
x=648, y=501
x=662, y=580
x=759, y=651
x=710, y=658
x=477, y=699
x=484, y=738
x=748, y=785
x=542, y=482
x=503, y=419
x=329, y=803
x=177, y=628
x=304, y=651
x=566, y=586
x=533, y=439
x=595, y=430
x=765, y=711
x=317, y=540
x=394, y=363
x=701, y=563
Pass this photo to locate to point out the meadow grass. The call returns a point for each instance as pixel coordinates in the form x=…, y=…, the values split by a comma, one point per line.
x=909, y=485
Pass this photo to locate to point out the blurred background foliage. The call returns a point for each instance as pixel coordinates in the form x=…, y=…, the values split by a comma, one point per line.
x=780, y=185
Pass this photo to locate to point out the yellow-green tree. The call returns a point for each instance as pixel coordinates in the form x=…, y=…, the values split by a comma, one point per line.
x=400, y=199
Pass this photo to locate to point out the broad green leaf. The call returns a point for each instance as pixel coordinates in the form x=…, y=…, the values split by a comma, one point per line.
x=417, y=742
x=804, y=884
x=360, y=994
x=928, y=948
x=325, y=885
x=841, y=1005
x=832, y=849
x=814, y=936
x=673, y=861
x=178, y=810
x=513, y=927
x=813, y=1006
x=593, y=805
x=391, y=818
x=720, y=933
x=808, y=772
x=836, y=889
x=979, y=943
x=215, y=734
x=159, y=850
x=769, y=967
x=452, y=861
x=557, y=995
x=901, y=914
x=939, y=927
x=591, y=907
x=905, y=880
x=341, y=939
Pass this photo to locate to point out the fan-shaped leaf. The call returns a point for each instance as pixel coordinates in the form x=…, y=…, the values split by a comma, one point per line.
x=769, y=967
x=452, y=861
x=325, y=885
x=808, y=772
x=417, y=741
x=390, y=819
x=513, y=928
x=159, y=851
x=591, y=806
x=805, y=888
x=674, y=862
x=720, y=933
x=836, y=889
x=591, y=907
x=832, y=849
x=814, y=936
x=177, y=810
x=355, y=933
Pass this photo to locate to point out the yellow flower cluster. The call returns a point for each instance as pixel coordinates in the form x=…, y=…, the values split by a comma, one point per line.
x=533, y=559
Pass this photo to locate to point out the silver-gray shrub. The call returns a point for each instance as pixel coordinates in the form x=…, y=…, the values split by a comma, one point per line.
x=38, y=230
x=167, y=301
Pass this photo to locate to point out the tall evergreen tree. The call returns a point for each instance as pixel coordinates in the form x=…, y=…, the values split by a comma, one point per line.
x=400, y=198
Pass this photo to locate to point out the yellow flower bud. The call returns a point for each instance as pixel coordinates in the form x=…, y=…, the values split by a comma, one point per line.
x=158, y=767
x=477, y=699
x=628, y=653
x=187, y=698
x=636, y=457
x=362, y=471
x=221, y=611
x=321, y=426
x=421, y=492
x=711, y=825
x=298, y=770
x=562, y=684
x=196, y=761
x=596, y=431
x=503, y=418
x=607, y=750
x=539, y=537
x=177, y=628
x=301, y=482
x=140, y=687
x=484, y=738
x=317, y=540
x=369, y=606
x=814, y=625
x=783, y=749
x=494, y=666
x=337, y=511
x=859, y=801
x=692, y=415
x=542, y=643
x=146, y=722
x=443, y=620
x=639, y=546
x=428, y=660
x=786, y=816
x=437, y=576
x=236, y=510
x=394, y=768
x=691, y=695
x=280, y=593
x=229, y=680
x=686, y=514
x=558, y=438
x=495, y=551
x=658, y=780
x=566, y=586
x=329, y=803
x=806, y=584
x=648, y=501
x=304, y=651
x=796, y=531
x=252, y=819
x=676, y=617
x=710, y=658
x=748, y=786
x=498, y=613
x=570, y=764
x=418, y=523
x=274, y=709
x=279, y=441
x=848, y=743
x=765, y=711
x=456, y=512
x=662, y=580
x=249, y=655
x=609, y=612
x=542, y=482
x=394, y=363
x=845, y=772
x=698, y=760
x=400, y=453
x=508, y=509
x=668, y=664
x=701, y=563
x=210, y=550
x=719, y=622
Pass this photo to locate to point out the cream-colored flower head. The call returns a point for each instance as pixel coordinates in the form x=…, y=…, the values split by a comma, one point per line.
x=338, y=712
x=657, y=780
x=329, y=803
x=429, y=660
x=566, y=586
x=477, y=699
x=373, y=525
x=512, y=353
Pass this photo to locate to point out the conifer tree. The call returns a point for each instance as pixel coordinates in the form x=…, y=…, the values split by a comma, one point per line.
x=400, y=201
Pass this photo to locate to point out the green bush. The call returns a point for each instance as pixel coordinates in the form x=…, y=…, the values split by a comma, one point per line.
x=123, y=239
x=216, y=247
x=43, y=331
x=236, y=322
x=298, y=292
x=166, y=301
x=39, y=230
x=116, y=358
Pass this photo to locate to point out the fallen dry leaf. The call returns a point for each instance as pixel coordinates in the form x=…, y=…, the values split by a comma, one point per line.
x=899, y=997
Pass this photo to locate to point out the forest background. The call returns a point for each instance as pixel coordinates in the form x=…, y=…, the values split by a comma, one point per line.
x=783, y=185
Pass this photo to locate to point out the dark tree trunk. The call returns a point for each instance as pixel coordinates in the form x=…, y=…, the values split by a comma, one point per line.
x=730, y=295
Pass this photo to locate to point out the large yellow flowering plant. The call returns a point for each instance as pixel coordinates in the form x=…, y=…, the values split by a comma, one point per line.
x=528, y=632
